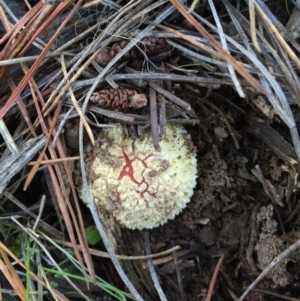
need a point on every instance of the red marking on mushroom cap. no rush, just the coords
(100, 143)
(128, 170)
(140, 187)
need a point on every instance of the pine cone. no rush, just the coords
(119, 99)
(148, 46)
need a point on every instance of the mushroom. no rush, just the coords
(139, 186)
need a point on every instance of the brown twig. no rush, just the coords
(154, 117)
(115, 115)
(279, 296)
(167, 258)
(207, 81)
(58, 160)
(214, 278)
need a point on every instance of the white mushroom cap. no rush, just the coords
(139, 186)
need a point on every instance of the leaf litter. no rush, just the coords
(227, 72)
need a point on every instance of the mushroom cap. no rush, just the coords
(140, 186)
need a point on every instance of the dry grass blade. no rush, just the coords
(76, 106)
(152, 270)
(193, 6)
(11, 275)
(22, 107)
(5, 22)
(60, 190)
(42, 153)
(225, 47)
(279, 37)
(77, 221)
(8, 138)
(10, 51)
(32, 235)
(269, 82)
(286, 33)
(62, 87)
(3, 249)
(222, 53)
(69, 224)
(36, 64)
(252, 25)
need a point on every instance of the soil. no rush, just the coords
(229, 213)
(232, 212)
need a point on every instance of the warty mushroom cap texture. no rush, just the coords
(139, 186)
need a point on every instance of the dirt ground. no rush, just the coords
(229, 213)
(245, 205)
